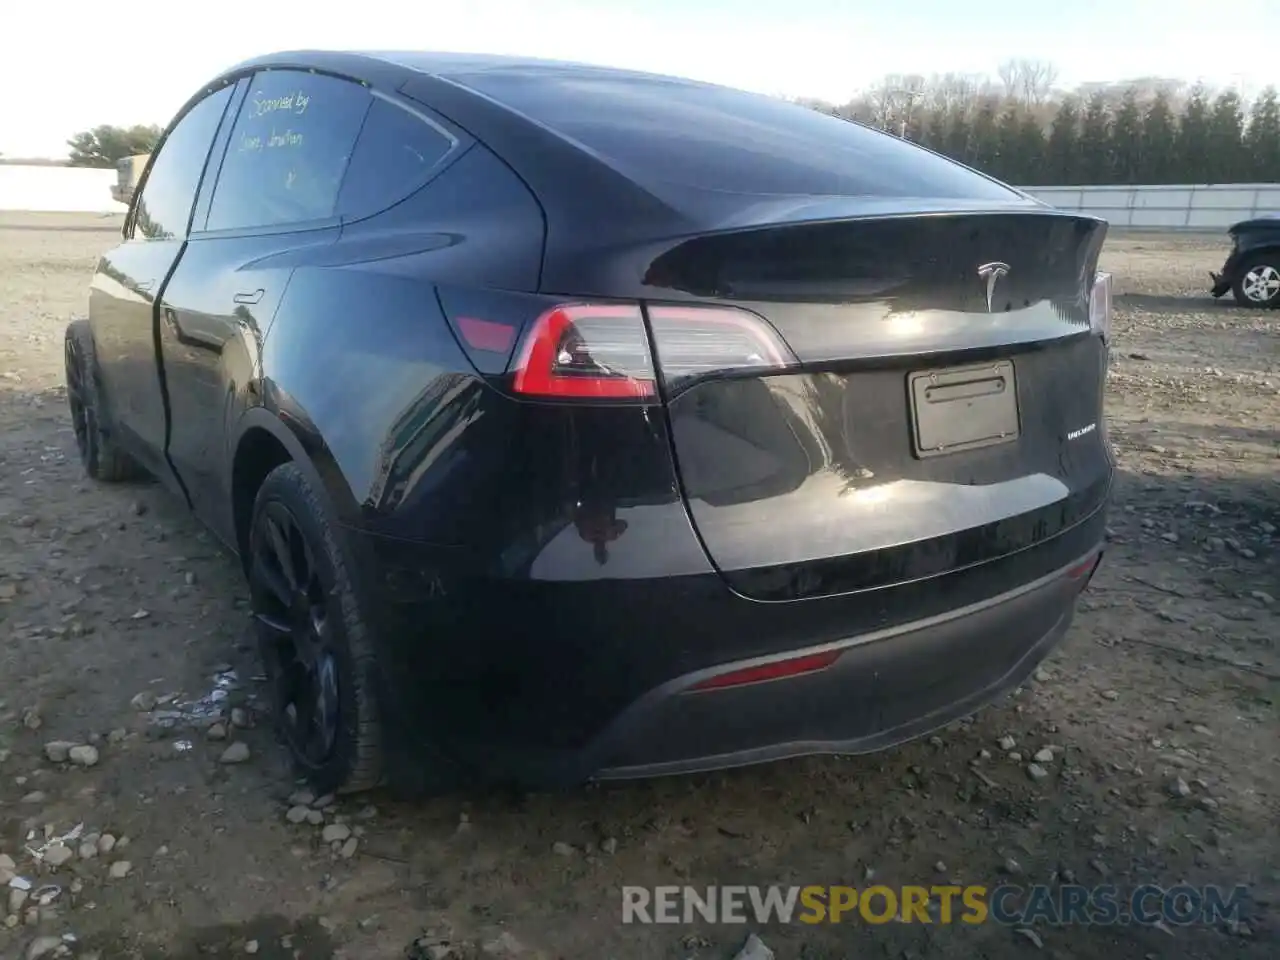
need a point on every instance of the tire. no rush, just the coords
(1258, 283)
(101, 456)
(319, 645)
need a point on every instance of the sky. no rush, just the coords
(68, 65)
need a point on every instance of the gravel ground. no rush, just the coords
(1161, 705)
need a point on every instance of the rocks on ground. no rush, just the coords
(237, 752)
(754, 949)
(119, 870)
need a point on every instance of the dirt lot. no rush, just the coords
(1167, 685)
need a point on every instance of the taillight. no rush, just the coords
(1100, 306)
(695, 342)
(585, 350)
(603, 350)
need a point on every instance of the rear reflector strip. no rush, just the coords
(777, 670)
(811, 663)
(1083, 568)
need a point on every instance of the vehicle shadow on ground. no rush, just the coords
(1265, 436)
(1133, 431)
(269, 937)
(1212, 529)
(1175, 304)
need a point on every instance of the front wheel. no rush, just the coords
(313, 637)
(1259, 282)
(101, 456)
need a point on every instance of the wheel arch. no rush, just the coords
(262, 442)
(1261, 246)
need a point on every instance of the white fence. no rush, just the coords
(1178, 207)
(60, 189)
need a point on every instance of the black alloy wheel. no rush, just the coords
(101, 457)
(76, 399)
(313, 642)
(293, 608)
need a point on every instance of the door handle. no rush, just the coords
(250, 299)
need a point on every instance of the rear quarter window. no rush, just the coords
(396, 154)
(715, 138)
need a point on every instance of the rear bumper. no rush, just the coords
(555, 683)
(1224, 278)
(884, 688)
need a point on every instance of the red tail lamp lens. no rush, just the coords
(586, 351)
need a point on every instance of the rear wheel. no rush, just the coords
(1259, 282)
(102, 458)
(313, 637)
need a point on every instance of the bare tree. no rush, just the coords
(892, 103)
(1038, 81)
(880, 102)
(955, 93)
(1028, 82)
(909, 92)
(1010, 75)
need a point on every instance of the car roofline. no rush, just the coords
(1263, 223)
(440, 64)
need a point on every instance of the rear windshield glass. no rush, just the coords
(715, 138)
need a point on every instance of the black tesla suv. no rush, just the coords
(576, 423)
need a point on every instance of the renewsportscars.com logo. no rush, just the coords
(1008, 904)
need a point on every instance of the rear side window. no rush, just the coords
(714, 138)
(396, 154)
(164, 207)
(288, 151)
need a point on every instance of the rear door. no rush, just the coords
(130, 277)
(282, 163)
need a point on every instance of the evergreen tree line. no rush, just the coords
(1092, 143)
(1135, 134)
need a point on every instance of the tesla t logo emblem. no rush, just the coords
(991, 272)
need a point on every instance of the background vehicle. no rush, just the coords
(1252, 269)
(562, 441)
(128, 172)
